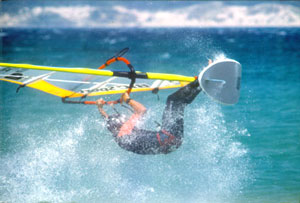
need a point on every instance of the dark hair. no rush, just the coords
(114, 123)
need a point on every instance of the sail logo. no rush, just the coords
(113, 88)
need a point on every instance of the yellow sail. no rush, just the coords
(83, 82)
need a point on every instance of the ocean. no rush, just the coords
(248, 152)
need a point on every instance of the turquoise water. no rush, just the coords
(249, 152)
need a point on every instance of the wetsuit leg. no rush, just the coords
(172, 120)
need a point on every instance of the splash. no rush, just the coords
(58, 169)
(219, 57)
(222, 161)
(82, 163)
(31, 175)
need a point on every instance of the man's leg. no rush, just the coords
(173, 115)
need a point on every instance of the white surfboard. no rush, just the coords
(221, 81)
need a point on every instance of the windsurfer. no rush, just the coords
(142, 141)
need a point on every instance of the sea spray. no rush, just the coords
(34, 173)
(222, 161)
(82, 162)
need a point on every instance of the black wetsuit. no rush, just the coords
(170, 136)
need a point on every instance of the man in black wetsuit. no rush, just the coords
(141, 141)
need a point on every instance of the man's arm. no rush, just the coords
(100, 103)
(139, 111)
(137, 107)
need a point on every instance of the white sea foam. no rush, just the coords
(81, 162)
(202, 14)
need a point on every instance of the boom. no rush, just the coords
(89, 71)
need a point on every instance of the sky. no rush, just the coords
(149, 14)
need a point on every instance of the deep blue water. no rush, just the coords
(249, 152)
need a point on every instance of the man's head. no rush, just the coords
(114, 123)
